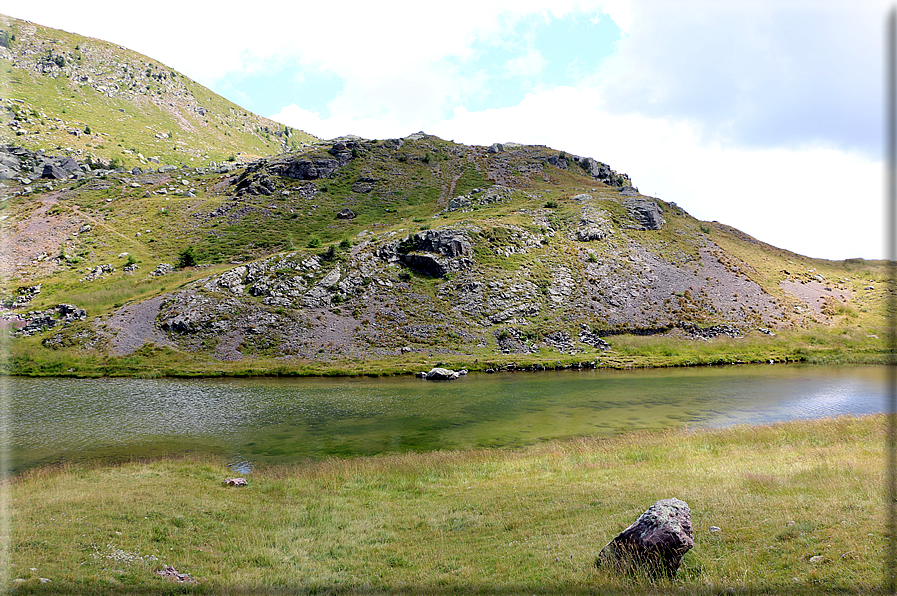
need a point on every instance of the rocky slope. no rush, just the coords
(407, 248)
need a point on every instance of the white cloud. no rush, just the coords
(760, 73)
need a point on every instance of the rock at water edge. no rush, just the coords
(442, 374)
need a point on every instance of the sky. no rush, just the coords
(765, 115)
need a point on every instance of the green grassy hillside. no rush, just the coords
(74, 95)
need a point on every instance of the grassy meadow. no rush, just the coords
(798, 506)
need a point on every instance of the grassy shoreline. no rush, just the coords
(503, 521)
(24, 358)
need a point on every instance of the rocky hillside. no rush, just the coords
(104, 104)
(151, 227)
(400, 252)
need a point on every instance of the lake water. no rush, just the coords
(251, 421)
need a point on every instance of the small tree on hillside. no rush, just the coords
(186, 258)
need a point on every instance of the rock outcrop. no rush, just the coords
(646, 213)
(18, 162)
(40, 320)
(432, 252)
(480, 197)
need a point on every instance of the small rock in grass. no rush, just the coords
(171, 573)
(235, 482)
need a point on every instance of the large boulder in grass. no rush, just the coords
(655, 544)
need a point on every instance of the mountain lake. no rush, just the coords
(275, 420)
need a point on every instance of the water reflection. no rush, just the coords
(256, 420)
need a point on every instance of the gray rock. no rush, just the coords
(593, 225)
(317, 296)
(346, 214)
(431, 265)
(98, 271)
(646, 213)
(162, 269)
(364, 184)
(559, 161)
(559, 340)
(70, 312)
(482, 197)
(589, 337)
(432, 252)
(442, 374)
(655, 544)
(10, 161)
(331, 279)
(304, 169)
(602, 172)
(53, 171)
(449, 243)
(69, 165)
(711, 332)
(231, 281)
(38, 321)
(254, 182)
